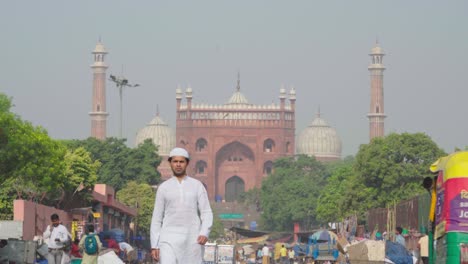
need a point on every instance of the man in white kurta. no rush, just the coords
(182, 216)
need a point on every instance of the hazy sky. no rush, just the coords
(320, 47)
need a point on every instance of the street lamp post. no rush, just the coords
(121, 82)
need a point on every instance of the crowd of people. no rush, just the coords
(61, 250)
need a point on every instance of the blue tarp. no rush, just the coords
(397, 253)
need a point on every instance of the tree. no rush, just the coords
(31, 163)
(140, 196)
(142, 162)
(121, 164)
(28, 156)
(340, 198)
(217, 230)
(392, 168)
(81, 173)
(290, 193)
(251, 197)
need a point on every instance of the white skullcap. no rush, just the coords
(179, 152)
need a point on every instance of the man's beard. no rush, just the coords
(180, 174)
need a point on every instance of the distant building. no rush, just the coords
(233, 145)
(106, 213)
(376, 113)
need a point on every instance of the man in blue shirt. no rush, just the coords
(399, 238)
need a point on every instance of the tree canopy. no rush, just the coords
(121, 164)
(392, 168)
(140, 196)
(29, 159)
(290, 193)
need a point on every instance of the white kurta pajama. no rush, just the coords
(181, 213)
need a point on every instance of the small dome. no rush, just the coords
(238, 99)
(377, 50)
(160, 133)
(319, 140)
(99, 48)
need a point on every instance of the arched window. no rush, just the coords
(201, 145)
(288, 145)
(201, 167)
(268, 145)
(268, 167)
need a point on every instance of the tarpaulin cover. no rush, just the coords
(397, 253)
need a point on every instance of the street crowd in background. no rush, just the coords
(61, 250)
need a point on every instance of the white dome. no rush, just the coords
(377, 50)
(319, 140)
(99, 48)
(160, 133)
(238, 99)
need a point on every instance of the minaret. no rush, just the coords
(98, 113)
(376, 114)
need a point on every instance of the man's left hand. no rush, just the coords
(202, 240)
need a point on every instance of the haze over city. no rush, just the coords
(319, 47)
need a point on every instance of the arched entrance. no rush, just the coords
(235, 170)
(235, 186)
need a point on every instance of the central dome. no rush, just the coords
(160, 133)
(319, 140)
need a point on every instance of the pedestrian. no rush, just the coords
(291, 256)
(423, 245)
(90, 245)
(57, 235)
(265, 254)
(129, 253)
(399, 237)
(182, 216)
(284, 255)
(111, 243)
(259, 254)
(75, 249)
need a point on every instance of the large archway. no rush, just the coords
(235, 186)
(235, 170)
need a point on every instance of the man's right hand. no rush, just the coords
(155, 253)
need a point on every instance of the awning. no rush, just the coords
(260, 239)
(247, 232)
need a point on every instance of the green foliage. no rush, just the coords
(251, 197)
(30, 161)
(392, 168)
(81, 173)
(290, 193)
(217, 230)
(121, 164)
(140, 196)
(340, 197)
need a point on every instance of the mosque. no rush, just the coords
(233, 145)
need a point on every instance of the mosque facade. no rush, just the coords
(233, 145)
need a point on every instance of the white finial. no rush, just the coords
(238, 81)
